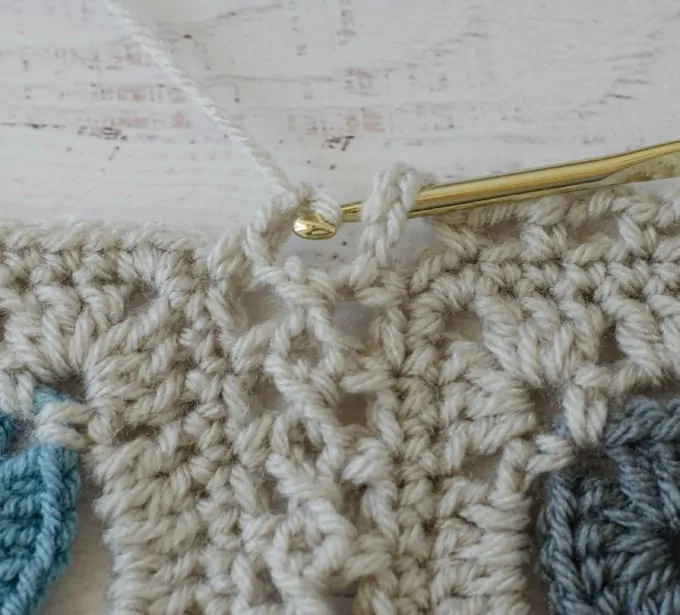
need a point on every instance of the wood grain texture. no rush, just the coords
(91, 128)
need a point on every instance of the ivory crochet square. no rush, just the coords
(229, 482)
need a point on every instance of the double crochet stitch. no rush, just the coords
(257, 460)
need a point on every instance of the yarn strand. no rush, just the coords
(151, 44)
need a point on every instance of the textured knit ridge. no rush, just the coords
(256, 462)
(38, 491)
(610, 534)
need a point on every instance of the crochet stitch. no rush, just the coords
(38, 492)
(231, 478)
(611, 542)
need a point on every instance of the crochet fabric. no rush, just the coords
(611, 543)
(38, 492)
(256, 463)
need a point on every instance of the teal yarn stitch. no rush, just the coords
(611, 539)
(38, 492)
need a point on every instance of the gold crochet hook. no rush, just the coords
(648, 164)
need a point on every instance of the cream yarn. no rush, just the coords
(229, 481)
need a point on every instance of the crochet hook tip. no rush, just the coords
(647, 164)
(313, 226)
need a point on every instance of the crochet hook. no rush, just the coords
(647, 164)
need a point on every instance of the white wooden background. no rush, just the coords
(91, 128)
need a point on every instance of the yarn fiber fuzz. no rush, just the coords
(260, 461)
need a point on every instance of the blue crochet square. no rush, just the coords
(38, 493)
(611, 543)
